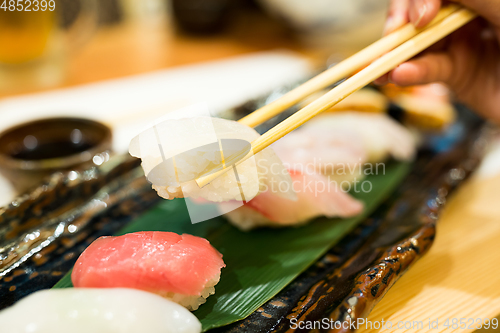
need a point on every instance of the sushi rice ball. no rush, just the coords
(98, 311)
(180, 268)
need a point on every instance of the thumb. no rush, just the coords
(422, 12)
(432, 67)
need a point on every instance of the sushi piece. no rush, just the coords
(177, 151)
(181, 268)
(322, 165)
(97, 311)
(427, 106)
(330, 152)
(317, 196)
(364, 100)
(381, 136)
(339, 155)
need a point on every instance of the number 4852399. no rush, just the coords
(28, 5)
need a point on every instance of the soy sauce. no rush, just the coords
(51, 150)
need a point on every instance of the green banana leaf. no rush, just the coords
(259, 263)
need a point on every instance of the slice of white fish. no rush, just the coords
(329, 152)
(338, 154)
(317, 196)
(381, 136)
(80, 310)
(177, 151)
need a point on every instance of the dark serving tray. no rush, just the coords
(43, 232)
(353, 276)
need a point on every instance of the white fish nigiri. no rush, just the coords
(381, 136)
(177, 151)
(98, 311)
(338, 154)
(337, 146)
(316, 196)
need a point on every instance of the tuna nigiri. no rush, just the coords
(97, 311)
(181, 268)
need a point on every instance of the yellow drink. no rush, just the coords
(24, 35)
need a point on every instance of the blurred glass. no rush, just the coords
(339, 26)
(202, 16)
(34, 44)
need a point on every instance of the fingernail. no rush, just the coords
(389, 24)
(418, 11)
(421, 13)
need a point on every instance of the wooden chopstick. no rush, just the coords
(379, 67)
(341, 70)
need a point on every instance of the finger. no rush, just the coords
(384, 79)
(397, 16)
(432, 67)
(438, 47)
(422, 12)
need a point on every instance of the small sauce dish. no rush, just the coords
(31, 151)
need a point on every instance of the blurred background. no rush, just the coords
(124, 63)
(81, 41)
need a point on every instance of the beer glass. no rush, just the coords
(36, 37)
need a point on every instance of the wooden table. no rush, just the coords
(459, 278)
(140, 46)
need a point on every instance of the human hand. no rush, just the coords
(468, 61)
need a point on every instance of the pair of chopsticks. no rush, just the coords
(381, 57)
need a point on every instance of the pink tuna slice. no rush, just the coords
(154, 261)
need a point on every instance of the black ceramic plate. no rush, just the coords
(43, 232)
(354, 275)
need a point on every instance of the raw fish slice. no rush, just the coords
(182, 268)
(193, 138)
(97, 311)
(316, 197)
(339, 154)
(381, 135)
